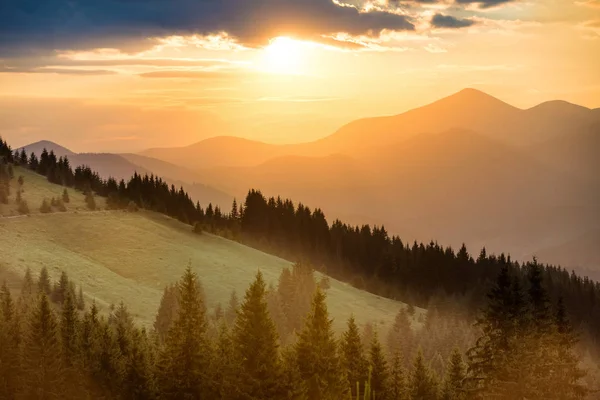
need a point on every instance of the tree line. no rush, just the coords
(53, 350)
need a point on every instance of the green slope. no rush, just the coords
(117, 255)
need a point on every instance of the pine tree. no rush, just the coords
(59, 292)
(422, 385)
(45, 207)
(10, 344)
(277, 315)
(43, 376)
(225, 366)
(167, 312)
(398, 383)
(27, 286)
(68, 330)
(109, 364)
(185, 358)
(379, 370)
(44, 285)
(494, 361)
(255, 341)
(123, 327)
(294, 388)
(400, 336)
(232, 309)
(139, 382)
(80, 300)
(566, 374)
(353, 359)
(316, 354)
(455, 378)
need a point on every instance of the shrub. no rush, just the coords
(65, 196)
(132, 207)
(90, 201)
(53, 202)
(197, 228)
(23, 207)
(45, 207)
(21, 180)
(60, 205)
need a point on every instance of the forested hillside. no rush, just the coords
(523, 341)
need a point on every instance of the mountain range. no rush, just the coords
(467, 168)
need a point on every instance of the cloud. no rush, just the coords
(485, 3)
(32, 26)
(448, 21)
(195, 74)
(58, 71)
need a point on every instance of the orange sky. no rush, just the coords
(174, 90)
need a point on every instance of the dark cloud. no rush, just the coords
(58, 71)
(448, 21)
(32, 26)
(485, 3)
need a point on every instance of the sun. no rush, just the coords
(284, 56)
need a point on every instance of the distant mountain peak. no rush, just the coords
(38, 147)
(470, 97)
(559, 105)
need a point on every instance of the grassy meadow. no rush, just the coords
(117, 255)
(36, 188)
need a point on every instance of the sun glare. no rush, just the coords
(284, 56)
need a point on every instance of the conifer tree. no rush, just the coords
(422, 385)
(60, 291)
(256, 345)
(44, 285)
(276, 312)
(27, 286)
(45, 207)
(43, 376)
(566, 376)
(10, 344)
(123, 327)
(400, 336)
(88, 339)
(455, 378)
(353, 359)
(398, 382)
(493, 359)
(109, 367)
(225, 366)
(232, 309)
(139, 382)
(167, 312)
(68, 330)
(317, 356)
(185, 358)
(368, 332)
(80, 300)
(294, 388)
(379, 370)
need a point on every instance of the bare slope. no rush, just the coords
(118, 256)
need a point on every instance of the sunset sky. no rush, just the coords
(124, 75)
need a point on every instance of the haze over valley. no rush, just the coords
(468, 168)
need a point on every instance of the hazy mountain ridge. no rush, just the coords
(123, 166)
(467, 168)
